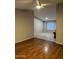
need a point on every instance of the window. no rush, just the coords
(51, 25)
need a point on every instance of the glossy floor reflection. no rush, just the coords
(38, 49)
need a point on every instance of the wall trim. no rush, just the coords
(59, 43)
(23, 40)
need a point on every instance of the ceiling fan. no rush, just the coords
(39, 5)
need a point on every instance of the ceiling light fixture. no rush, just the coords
(46, 18)
(39, 4)
(38, 7)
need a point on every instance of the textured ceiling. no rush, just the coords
(48, 11)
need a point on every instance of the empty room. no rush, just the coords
(38, 29)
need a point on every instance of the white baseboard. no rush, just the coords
(59, 43)
(24, 39)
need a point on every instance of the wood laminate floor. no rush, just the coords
(38, 49)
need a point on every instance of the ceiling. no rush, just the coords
(48, 11)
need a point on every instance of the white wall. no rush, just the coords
(59, 23)
(24, 28)
(38, 31)
(38, 26)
